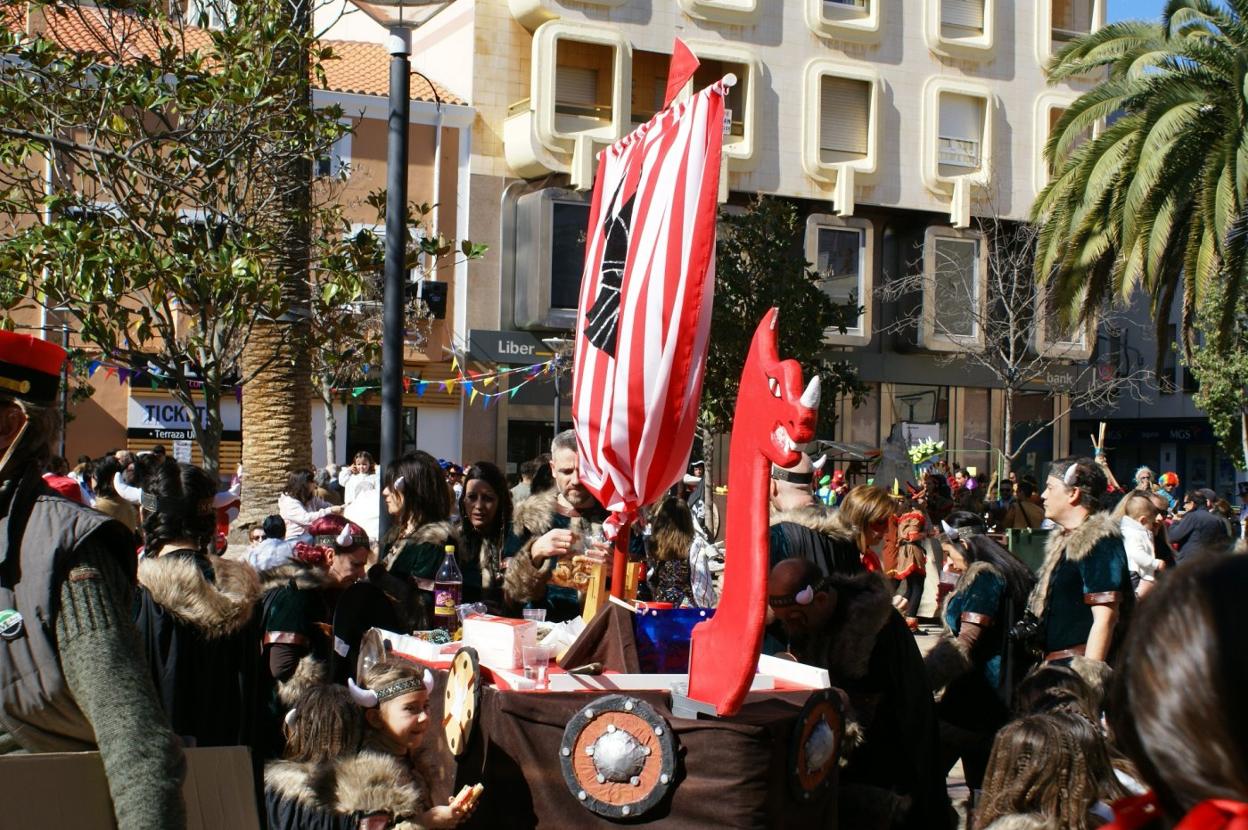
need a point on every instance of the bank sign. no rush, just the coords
(163, 418)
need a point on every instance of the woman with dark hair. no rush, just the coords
(544, 477)
(196, 613)
(973, 662)
(107, 501)
(299, 506)
(419, 504)
(484, 526)
(1177, 703)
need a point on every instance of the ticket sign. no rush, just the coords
(164, 418)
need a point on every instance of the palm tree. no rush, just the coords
(1155, 199)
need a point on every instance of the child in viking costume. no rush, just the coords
(326, 781)
(196, 613)
(395, 699)
(973, 662)
(298, 611)
(909, 562)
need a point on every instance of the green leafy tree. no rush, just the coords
(1223, 373)
(1149, 201)
(165, 233)
(760, 263)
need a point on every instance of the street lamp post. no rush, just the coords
(399, 17)
(558, 347)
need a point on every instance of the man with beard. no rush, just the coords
(72, 677)
(550, 527)
(845, 623)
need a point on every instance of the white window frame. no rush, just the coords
(859, 335)
(864, 28)
(740, 154)
(736, 12)
(543, 74)
(930, 337)
(812, 110)
(979, 47)
(936, 88)
(1044, 26)
(339, 154)
(1046, 102)
(1080, 349)
(533, 13)
(197, 8)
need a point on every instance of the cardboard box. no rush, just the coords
(68, 789)
(498, 640)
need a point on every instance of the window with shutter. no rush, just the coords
(961, 132)
(844, 119)
(962, 17)
(1071, 18)
(576, 87)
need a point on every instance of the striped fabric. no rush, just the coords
(645, 304)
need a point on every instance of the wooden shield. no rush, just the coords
(816, 744)
(462, 700)
(618, 757)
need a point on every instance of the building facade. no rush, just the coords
(891, 125)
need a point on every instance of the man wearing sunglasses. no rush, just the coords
(845, 623)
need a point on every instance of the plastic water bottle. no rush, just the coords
(448, 589)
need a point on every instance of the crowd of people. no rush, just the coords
(128, 624)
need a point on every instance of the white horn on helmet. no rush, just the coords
(366, 698)
(810, 398)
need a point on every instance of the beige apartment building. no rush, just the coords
(891, 123)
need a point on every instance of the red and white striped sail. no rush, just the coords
(645, 304)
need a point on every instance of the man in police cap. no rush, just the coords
(72, 677)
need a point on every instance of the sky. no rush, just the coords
(1134, 9)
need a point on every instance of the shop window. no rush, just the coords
(839, 250)
(960, 136)
(953, 290)
(844, 119)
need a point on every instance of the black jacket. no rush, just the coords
(1199, 530)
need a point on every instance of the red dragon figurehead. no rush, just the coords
(773, 417)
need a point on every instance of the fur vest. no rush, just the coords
(523, 581)
(1023, 821)
(354, 785)
(295, 574)
(819, 518)
(1074, 545)
(215, 608)
(864, 606)
(431, 533)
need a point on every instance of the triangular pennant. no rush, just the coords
(109, 371)
(512, 392)
(681, 68)
(92, 366)
(486, 381)
(454, 364)
(420, 388)
(473, 396)
(407, 384)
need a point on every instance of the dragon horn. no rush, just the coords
(365, 698)
(819, 462)
(774, 314)
(810, 398)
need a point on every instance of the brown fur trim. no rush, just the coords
(1075, 544)
(864, 604)
(304, 576)
(819, 518)
(217, 608)
(523, 581)
(1095, 673)
(310, 672)
(948, 660)
(366, 782)
(1023, 821)
(536, 514)
(431, 533)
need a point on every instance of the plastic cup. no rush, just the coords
(535, 614)
(536, 661)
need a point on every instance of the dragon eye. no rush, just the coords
(774, 385)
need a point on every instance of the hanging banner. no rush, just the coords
(645, 304)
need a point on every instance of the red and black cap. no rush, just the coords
(30, 368)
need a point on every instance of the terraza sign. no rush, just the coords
(162, 418)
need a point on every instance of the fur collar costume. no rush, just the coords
(863, 607)
(217, 607)
(820, 519)
(523, 581)
(298, 575)
(361, 784)
(431, 533)
(1073, 545)
(1022, 821)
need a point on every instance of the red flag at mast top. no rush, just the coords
(679, 71)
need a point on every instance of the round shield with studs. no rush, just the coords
(462, 699)
(816, 743)
(618, 757)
